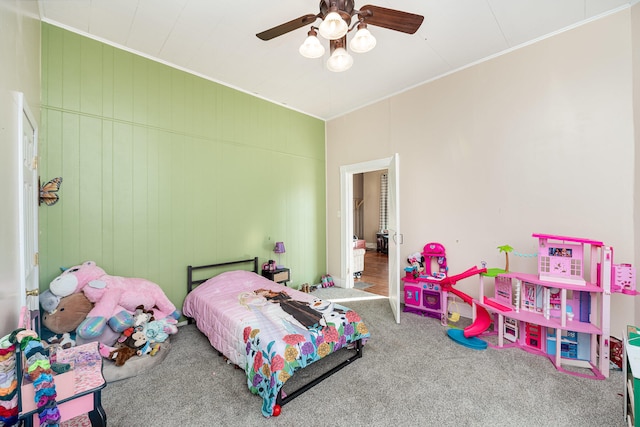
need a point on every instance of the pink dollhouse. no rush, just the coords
(562, 312)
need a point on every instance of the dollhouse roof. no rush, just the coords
(568, 239)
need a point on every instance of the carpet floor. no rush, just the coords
(410, 374)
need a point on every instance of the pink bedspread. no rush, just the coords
(268, 329)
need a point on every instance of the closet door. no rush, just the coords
(19, 214)
(28, 202)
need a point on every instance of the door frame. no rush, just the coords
(346, 212)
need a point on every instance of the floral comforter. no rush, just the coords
(269, 330)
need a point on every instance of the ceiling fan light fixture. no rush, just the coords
(333, 26)
(311, 47)
(340, 60)
(363, 41)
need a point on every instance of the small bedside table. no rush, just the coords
(281, 275)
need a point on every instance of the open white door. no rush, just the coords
(395, 238)
(28, 204)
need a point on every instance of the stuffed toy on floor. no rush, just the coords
(114, 299)
(144, 337)
(61, 315)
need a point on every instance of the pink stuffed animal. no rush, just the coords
(115, 298)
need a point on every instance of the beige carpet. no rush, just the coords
(337, 294)
(411, 374)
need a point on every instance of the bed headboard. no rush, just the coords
(191, 283)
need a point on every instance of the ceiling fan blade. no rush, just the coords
(392, 19)
(286, 27)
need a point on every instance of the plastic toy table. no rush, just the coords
(79, 391)
(425, 296)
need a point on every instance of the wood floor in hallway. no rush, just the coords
(376, 272)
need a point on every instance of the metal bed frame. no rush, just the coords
(280, 399)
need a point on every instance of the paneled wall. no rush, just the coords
(162, 169)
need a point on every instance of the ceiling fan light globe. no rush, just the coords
(311, 48)
(362, 42)
(333, 26)
(340, 60)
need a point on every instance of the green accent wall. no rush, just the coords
(162, 169)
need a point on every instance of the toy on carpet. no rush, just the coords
(66, 314)
(142, 338)
(114, 298)
(327, 281)
(426, 294)
(121, 354)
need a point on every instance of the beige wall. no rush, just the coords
(635, 53)
(19, 72)
(537, 140)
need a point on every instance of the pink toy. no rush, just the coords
(423, 293)
(563, 311)
(115, 298)
(624, 279)
(436, 252)
(482, 320)
(426, 294)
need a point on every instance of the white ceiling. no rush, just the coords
(216, 40)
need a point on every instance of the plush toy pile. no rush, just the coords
(144, 337)
(128, 316)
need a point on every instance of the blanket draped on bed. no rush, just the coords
(269, 330)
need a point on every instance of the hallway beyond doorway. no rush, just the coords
(376, 273)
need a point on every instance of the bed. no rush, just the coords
(269, 330)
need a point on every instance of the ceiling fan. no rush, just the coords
(336, 16)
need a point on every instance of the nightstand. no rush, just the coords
(281, 275)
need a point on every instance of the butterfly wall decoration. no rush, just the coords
(49, 191)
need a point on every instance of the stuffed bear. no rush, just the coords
(121, 354)
(133, 342)
(115, 298)
(67, 315)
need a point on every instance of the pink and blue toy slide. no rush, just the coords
(468, 336)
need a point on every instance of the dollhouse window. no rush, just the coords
(576, 267)
(561, 261)
(545, 264)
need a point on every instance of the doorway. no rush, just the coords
(393, 234)
(371, 261)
